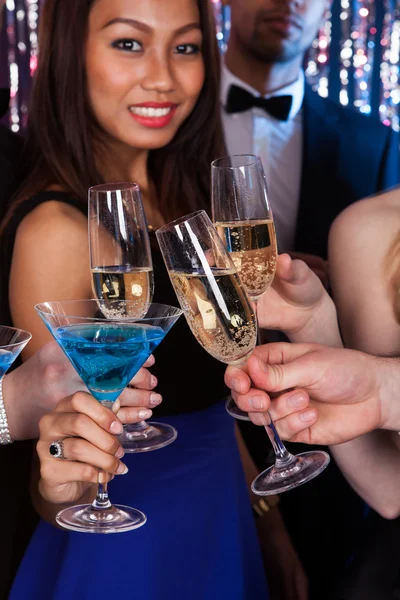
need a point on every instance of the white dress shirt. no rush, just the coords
(278, 143)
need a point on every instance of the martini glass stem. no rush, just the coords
(102, 501)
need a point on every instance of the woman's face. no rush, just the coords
(144, 68)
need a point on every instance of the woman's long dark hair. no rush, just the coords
(61, 131)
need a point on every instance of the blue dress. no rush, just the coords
(199, 542)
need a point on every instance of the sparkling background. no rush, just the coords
(354, 60)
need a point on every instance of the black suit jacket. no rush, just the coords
(347, 156)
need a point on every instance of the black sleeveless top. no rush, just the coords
(189, 380)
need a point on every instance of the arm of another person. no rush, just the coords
(360, 242)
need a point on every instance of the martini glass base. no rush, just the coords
(86, 519)
(301, 469)
(234, 411)
(147, 437)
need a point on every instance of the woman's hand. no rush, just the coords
(37, 386)
(88, 432)
(298, 305)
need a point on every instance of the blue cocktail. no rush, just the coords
(109, 356)
(106, 353)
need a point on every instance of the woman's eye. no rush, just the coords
(187, 49)
(128, 45)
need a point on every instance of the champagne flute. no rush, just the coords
(220, 314)
(122, 279)
(243, 218)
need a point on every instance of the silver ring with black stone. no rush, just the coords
(56, 449)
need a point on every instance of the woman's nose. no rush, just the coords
(158, 75)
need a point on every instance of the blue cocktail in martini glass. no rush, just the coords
(12, 342)
(106, 353)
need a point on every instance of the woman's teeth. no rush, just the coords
(143, 111)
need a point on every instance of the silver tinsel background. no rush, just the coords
(354, 60)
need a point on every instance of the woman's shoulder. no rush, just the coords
(51, 209)
(362, 222)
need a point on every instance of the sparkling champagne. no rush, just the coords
(252, 246)
(218, 312)
(134, 286)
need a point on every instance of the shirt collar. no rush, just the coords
(295, 89)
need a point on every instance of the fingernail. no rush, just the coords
(120, 452)
(308, 416)
(151, 360)
(262, 365)
(297, 400)
(257, 402)
(155, 399)
(235, 384)
(116, 427)
(153, 381)
(122, 469)
(144, 413)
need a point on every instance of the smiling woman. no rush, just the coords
(128, 91)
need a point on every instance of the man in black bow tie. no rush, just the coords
(318, 157)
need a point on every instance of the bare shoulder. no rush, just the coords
(362, 223)
(52, 217)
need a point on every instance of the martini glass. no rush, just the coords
(106, 353)
(12, 342)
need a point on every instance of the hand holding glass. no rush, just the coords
(220, 315)
(106, 353)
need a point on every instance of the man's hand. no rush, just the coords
(298, 305)
(344, 387)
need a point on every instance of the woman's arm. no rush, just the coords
(50, 262)
(359, 244)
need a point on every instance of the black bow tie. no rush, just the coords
(240, 100)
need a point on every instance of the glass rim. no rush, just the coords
(115, 187)
(254, 160)
(15, 330)
(180, 220)
(178, 312)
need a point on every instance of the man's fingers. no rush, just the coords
(237, 379)
(86, 405)
(296, 427)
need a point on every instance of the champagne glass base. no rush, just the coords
(153, 437)
(234, 411)
(301, 469)
(86, 519)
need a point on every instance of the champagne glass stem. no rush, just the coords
(282, 456)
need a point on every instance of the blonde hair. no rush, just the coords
(392, 274)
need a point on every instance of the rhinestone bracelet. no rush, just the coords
(5, 437)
